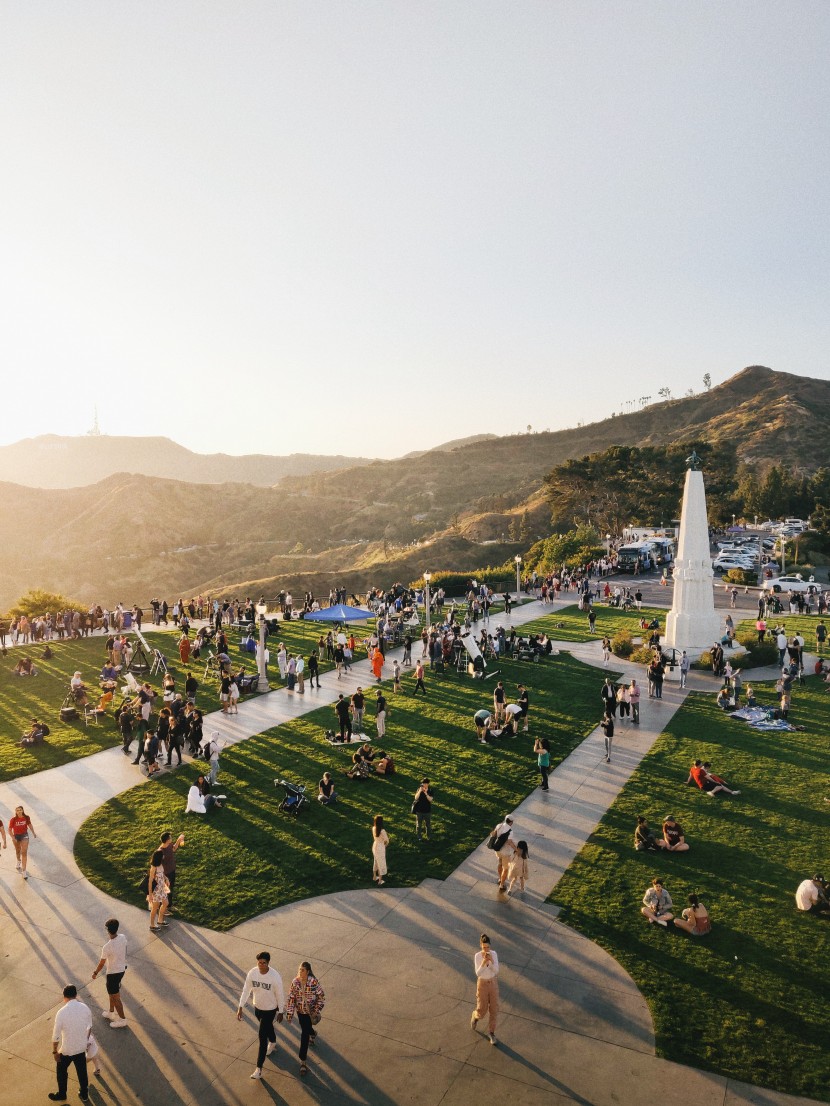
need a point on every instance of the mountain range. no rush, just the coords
(132, 532)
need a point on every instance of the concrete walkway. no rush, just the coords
(396, 963)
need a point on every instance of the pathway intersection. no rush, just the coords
(396, 963)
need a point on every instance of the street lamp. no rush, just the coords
(518, 561)
(261, 610)
(427, 578)
(608, 546)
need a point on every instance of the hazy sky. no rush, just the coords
(372, 227)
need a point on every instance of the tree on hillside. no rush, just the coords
(38, 602)
(627, 485)
(707, 381)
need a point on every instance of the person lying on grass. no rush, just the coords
(706, 781)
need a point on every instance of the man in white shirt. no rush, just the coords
(114, 956)
(269, 1000)
(811, 896)
(487, 987)
(73, 1025)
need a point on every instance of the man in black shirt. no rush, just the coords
(343, 717)
(422, 808)
(380, 713)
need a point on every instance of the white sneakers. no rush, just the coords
(256, 1073)
(492, 1039)
(110, 1015)
(271, 1046)
(25, 874)
(118, 1023)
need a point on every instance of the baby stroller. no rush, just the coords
(295, 797)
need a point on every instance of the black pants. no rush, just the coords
(79, 1060)
(171, 879)
(345, 728)
(419, 684)
(544, 769)
(306, 1034)
(266, 1033)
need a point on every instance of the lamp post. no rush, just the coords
(427, 578)
(608, 546)
(261, 609)
(518, 561)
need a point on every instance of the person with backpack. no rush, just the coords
(503, 844)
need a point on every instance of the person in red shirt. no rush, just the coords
(19, 827)
(704, 779)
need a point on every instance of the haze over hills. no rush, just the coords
(126, 537)
(54, 461)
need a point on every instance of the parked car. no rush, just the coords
(792, 582)
(725, 563)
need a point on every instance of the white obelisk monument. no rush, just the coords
(692, 623)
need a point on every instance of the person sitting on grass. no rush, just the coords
(360, 768)
(325, 790)
(385, 765)
(695, 918)
(706, 781)
(657, 904)
(811, 896)
(751, 701)
(644, 839)
(724, 698)
(673, 840)
(24, 667)
(35, 735)
(199, 798)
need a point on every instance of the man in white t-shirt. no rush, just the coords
(73, 1025)
(265, 984)
(811, 895)
(114, 957)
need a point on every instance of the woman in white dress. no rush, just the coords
(380, 839)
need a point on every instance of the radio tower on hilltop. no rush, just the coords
(95, 432)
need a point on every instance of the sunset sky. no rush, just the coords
(372, 227)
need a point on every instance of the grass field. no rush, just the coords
(803, 624)
(41, 696)
(749, 1000)
(571, 624)
(249, 858)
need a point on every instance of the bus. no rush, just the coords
(635, 558)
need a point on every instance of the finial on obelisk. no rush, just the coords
(693, 461)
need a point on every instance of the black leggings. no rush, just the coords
(306, 1034)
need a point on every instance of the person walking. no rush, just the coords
(419, 678)
(168, 847)
(541, 748)
(505, 846)
(607, 727)
(213, 756)
(306, 998)
(114, 958)
(606, 651)
(634, 700)
(486, 962)
(314, 669)
(265, 984)
(422, 809)
(20, 826)
(73, 1026)
(157, 891)
(380, 839)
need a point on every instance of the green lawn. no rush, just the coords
(571, 624)
(750, 1000)
(250, 858)
(803, 624)
(42, 696)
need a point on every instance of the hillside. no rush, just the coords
(52, 461)
(131, 535)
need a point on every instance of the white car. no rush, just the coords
(725, 562)
(794, 582)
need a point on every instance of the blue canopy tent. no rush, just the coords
(339, 613)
